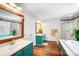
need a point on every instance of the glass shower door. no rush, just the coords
(68, 28)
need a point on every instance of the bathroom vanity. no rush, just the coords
(20, 47)
(12, 42)
(40, 39)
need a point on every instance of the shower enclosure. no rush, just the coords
(67, 28)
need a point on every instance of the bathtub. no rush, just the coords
(71, 47)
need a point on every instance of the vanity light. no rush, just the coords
(19, 8)
(70, 15)
(38, 21)
(15, 6)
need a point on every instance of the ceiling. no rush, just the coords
(48, 11)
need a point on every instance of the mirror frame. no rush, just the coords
(3, 7)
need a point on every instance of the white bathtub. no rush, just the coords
(71, 47)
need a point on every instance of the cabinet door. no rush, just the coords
(19, 53)
(28, 50)
(39, 39)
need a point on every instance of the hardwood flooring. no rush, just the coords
(49, 48)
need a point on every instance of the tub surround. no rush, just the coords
(71, 47)
(10, 48)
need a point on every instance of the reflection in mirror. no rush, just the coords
(9, 29)
(10, 16)
(11, 24)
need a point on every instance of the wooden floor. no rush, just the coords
(50, 49)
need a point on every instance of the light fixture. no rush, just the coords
(38, 21)
(15, 6)
(70, 15)
(19, 8)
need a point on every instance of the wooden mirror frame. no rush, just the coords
(22, 23)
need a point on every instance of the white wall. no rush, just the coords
(49, 26)
(29, 29)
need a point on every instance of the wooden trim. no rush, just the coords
(62, 35)
(10, 10)
(9, 39)
(22, 27)
(35, 27)
(70, 19)
(22, 24)
(62, 32)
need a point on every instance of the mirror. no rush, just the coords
(9, 29)
(11, 25)
(40, 27)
